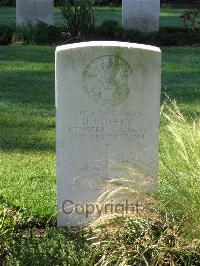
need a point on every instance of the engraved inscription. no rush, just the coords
(106, 80)
(100, 124)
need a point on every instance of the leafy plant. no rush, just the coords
(50, 246)
(8, 220)
(110, 30)
(191, 19)
(41, 34)
(79, 16)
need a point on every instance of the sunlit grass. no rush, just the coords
(179, 171)
(178, 180)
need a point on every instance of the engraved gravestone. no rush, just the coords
(108, 103)
(31, 11)
(141, 15)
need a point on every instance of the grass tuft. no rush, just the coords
(138, 241)
(179, 174)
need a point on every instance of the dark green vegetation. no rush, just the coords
(81, 24)
(118, 241)
(79, 16)
(104, 24)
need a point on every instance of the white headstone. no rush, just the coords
(108, 108)
(31, 11)
(141, 15)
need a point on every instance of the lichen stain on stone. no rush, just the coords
(107, 79)
(125, 70)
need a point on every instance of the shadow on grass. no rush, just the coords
(28, 86)
(184, 88)
(27, 108)
(27, 137)
(30, 53)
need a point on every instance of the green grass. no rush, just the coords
(180, 78)
(27, 119)
(111, 241)
(27, 168)
(27, 128)
(169, 16)
(179, 169)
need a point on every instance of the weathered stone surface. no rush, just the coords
(108, 105)
(31, 11)
(142, 15)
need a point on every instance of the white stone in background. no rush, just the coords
(31, 11)
(141, 15)
(108, 108)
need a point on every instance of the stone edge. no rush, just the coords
(108, 44)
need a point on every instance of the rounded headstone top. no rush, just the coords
(108, 44)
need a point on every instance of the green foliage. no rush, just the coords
(138, 241)
(43, 34)
(108, 2)
(40, 34)
(7, 2)
(9, 220)
(6, 34)
(49, 246)
(79, 16)
(118, 241)
(20, 244)
(169, 17)
(167, 36)
(179, 171)
(6, 229)
(171, 31)
(175, 37)
(191, 20)
(109, 29)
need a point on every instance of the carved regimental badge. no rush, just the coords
(107, 80)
